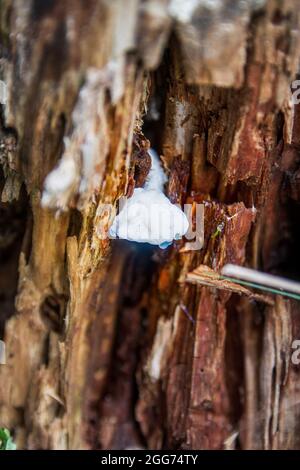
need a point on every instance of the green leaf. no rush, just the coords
(6, 442)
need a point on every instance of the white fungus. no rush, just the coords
(3, 92)
(61, 180)
(149, 216)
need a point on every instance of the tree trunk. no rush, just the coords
(108, 343)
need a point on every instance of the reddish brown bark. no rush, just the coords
(109, 343)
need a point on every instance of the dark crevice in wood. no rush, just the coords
(207, 381)
(75, 223)
(233, 358)
(154, 119)
(121, 392)
(53, 312)
(13, 218)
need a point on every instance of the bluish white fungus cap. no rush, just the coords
(149, 216)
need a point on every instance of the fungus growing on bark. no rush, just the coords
(149, 216)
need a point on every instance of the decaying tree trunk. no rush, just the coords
(108, 343)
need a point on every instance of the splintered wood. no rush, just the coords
(101, 352)
(208, 277)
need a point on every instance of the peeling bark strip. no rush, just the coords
(107, 344)
(207, 277)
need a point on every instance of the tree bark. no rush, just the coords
(109, 345)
